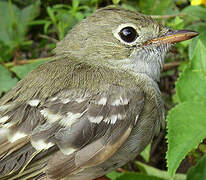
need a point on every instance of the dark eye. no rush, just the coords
(128, 34)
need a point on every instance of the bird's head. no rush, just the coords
(123, 39)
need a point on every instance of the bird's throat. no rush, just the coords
(148, 60)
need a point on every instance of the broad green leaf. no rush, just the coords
(199, 54)
(137, 176)
(197, 47)
(6, 81)
(191, 84)
(5, 52)
(146, 153)
(14, 22)
(199, 27)
(14, 25)
(8, 17)
(185, 130)
(157, 7)
(194, 13)
(28, 14)
(149, 170)
(114, 175)
(198, 172)
(192, 47)
(22, 70)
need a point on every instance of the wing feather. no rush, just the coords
(87, 126)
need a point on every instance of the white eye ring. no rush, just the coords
(117, 31)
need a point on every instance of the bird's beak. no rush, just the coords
(173, 37)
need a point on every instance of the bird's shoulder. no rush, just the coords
(62, 73)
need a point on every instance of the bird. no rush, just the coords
(93, 108)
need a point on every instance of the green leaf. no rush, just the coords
(46, 26)
(147, 173)
(79, 16)
(114, 175)
(6, 81)
(149, 170)
(115, 2)
(5, 52)
(75, 4)
(51, 15)
(146, 153)
(38, 22)
(194, 13)
(191, 84)
(198, 172)
(28, 14)
(177, 23)
(157, 7)
(22, 70)
(7, 15)
(14, 25)
(185, 130)
(192, 47)
(198, 47)
(137, 176)
(199, 27)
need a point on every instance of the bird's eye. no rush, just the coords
(128, 34)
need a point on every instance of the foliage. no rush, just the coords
(186, 129)
(158, 7)
(6, 81)
(146, 172)
(22, 70)
(186, 122)
(199, 171)
(62, 17)
(24, 26)
(14, 26)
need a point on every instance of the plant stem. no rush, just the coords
(49, 38)
(170, 65)
(11, 64)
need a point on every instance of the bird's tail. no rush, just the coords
(19, 160)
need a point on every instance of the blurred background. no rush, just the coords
(30, 29)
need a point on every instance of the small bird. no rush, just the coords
(94, 107)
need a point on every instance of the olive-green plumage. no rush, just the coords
(52, 77)
(93, 108)
(85, 55)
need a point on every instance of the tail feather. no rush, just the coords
(19, 160)
(8, 148)
(11, 157)
(60, 165)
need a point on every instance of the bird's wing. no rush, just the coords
(87, 126)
